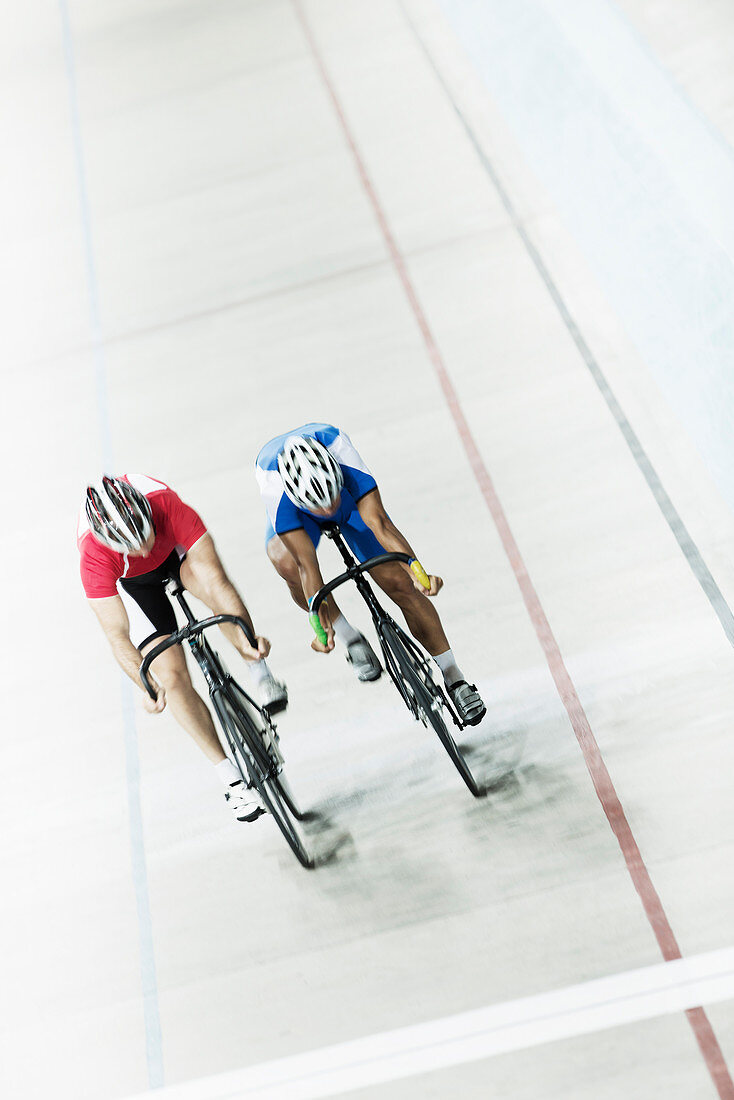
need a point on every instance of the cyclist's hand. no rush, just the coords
(256, 653)
(436, 586)
(155, 706)
(324, 647)
(320, 647)
(425, 584)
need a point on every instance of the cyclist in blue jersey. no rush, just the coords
(314, 475)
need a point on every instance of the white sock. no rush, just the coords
(449, 669)
(259, 671)
(344, 632)
(227, 772)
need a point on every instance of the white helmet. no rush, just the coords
(312, 478)
(119, 515)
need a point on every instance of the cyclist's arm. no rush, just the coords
(304, 552)
(112, 617)
(372, 511)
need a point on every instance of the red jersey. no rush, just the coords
(175, 524)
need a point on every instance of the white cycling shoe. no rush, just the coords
(273, 695)
(363, 660)
(244, 801)
(468, 702)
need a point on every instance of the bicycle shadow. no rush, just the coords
(395, 777)
(494, 759)
(394, 771)
(327, 839)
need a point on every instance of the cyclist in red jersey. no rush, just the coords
(134, 533)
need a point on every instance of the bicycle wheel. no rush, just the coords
(270, 739)
(415, 684)
(256, 767)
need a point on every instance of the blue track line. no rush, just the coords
(151, 1013)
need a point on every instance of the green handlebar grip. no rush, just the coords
(318, 628)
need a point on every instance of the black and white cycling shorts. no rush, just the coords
(148, 607)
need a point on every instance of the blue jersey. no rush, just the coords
(283, 514)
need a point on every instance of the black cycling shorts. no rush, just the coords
(149, 593)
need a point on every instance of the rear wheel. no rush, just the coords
(256, 767)
(416, 685)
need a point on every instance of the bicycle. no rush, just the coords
(406, 664)
(249, 732)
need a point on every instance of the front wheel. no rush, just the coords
(415, 684)
(271, 743)
(281, 808)
(256, 767)
(286, 794)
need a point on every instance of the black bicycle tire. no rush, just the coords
(270, 792)
(282, 782)
(286, 794)
(391, 636)
(266, 784)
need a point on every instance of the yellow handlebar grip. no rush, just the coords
(420, 573)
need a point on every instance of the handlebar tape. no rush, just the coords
(318, 628)
(420, 573)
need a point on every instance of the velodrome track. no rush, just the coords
(493, 242)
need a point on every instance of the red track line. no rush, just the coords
(600, 777)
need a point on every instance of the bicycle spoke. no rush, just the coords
(262, 772)
(266, 728)
(414, 678)
(276, 804)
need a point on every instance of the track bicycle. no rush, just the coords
(249, 732)
(406, 663)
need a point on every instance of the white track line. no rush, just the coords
(469, 1036)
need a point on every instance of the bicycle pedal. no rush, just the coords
(276, 707)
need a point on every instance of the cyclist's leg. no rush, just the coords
(203, 574)
(152, 619)
(359, 652)
(186, 705)
(425, 625)
(285, 564)
(420, 614)
(193, 715)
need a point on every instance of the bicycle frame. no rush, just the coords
(252, 742)
(355, 571)
(218, 679)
